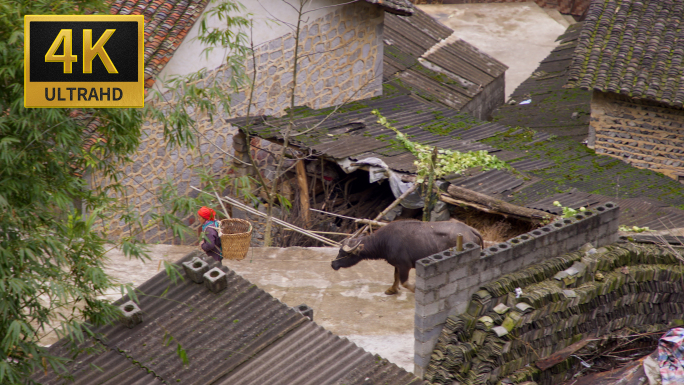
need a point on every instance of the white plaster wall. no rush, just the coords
(189, 58)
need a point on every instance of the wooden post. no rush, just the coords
(303, 191)
(459, 242)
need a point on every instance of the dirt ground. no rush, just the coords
(350, 302)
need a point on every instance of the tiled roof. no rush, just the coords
(503, 337)
(453, 73)
(231, 337)
(635, 48)
(397, 7)
(543, 103)
(167, 22)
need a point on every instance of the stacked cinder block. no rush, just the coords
(610, 292)
(446, 281)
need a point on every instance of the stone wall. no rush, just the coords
(641, 133)
(340, 61)
(492, 96)
(446, 281)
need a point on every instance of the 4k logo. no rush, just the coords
(83, 61)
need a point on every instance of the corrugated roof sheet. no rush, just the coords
(221, 332)
(312, 355)
(635, 48)
(423, 122)
(490, 182)
(552, 108)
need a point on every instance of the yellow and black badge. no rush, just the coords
(84, 61)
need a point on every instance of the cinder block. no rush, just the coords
(426, 267)
(195, 269)
(215, 280)
(522, 244)
(420, 363)
(444, 261)
(548, 235)
(459, 273)
(434, 282)
(429, 322)
(490, 274)
(305, 310)
(592, 218)
(427, 337)
(613, 226)
(447, 290)
(461, 298)
(429, 309)
(501, 252)
(131, 314)
(424, 297)
(469, 281)
(512, 266)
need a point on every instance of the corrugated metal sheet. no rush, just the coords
(114, 369)
(219, 331)
(531, 164)
(353, 133)
(312, 355)
(490, 182)
(457, 72)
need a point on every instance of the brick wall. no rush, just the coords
(341, 58)
(641, 133)
(446, 281)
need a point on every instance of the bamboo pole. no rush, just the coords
(459, 242)
(390, 207)
(357, 220)
(280, 222)
(303, 191)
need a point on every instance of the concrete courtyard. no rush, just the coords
(519, 35)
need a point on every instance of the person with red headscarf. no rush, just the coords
(211, 242)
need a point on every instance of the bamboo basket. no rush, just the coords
(236, 235)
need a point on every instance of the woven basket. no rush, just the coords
(236, 235)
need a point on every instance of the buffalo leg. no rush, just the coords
(403, 276)
(394, 289)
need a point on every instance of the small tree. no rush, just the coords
(51, 254)
(432, 164)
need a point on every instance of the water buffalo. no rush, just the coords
(402, 243)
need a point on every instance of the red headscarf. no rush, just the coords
(207, 213)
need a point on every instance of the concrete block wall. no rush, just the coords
(446, 281)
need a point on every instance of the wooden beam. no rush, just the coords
(303, 191)
(463, 196)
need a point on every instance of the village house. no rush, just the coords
(630, 57)
(341, 59)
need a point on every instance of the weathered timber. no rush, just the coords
(463, 196)
(563, 354)
(303, 191)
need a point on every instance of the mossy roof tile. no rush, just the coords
(634, 48)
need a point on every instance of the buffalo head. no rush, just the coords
(349, 254)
